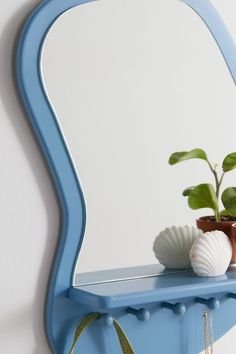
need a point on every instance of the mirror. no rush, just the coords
(131, 82)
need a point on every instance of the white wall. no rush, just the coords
(29, 223)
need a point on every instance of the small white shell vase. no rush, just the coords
(172, 246)
(211, 254)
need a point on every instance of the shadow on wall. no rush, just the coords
(18, 120)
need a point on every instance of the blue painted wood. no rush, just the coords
(64, 312)
(107, 320)
(178, 308)
(213, 303)
(150, 290)
(140, 314)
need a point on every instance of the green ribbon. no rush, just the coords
(88, 320)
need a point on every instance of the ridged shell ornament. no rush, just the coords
(172, 246)
(211, 254)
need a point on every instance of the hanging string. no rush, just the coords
(208, 331)
(88, 320)
(211, 331)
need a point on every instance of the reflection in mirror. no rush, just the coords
(131, 82)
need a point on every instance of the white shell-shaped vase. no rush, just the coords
(172, 246)
(211, 254)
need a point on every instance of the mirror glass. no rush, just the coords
(131, 82)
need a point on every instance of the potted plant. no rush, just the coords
(207, 196)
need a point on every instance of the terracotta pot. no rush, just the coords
(228, 227)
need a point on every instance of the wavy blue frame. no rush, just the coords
(61, 312)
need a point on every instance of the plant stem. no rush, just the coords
(221, 179)
(218, 184)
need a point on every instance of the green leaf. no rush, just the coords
(229, 200)
(225, 213)
(229, 162)
(187, 155)
(187, 191)
(203, 196)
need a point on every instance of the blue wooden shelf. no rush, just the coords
(143, 285)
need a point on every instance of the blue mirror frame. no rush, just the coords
(61, 313)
